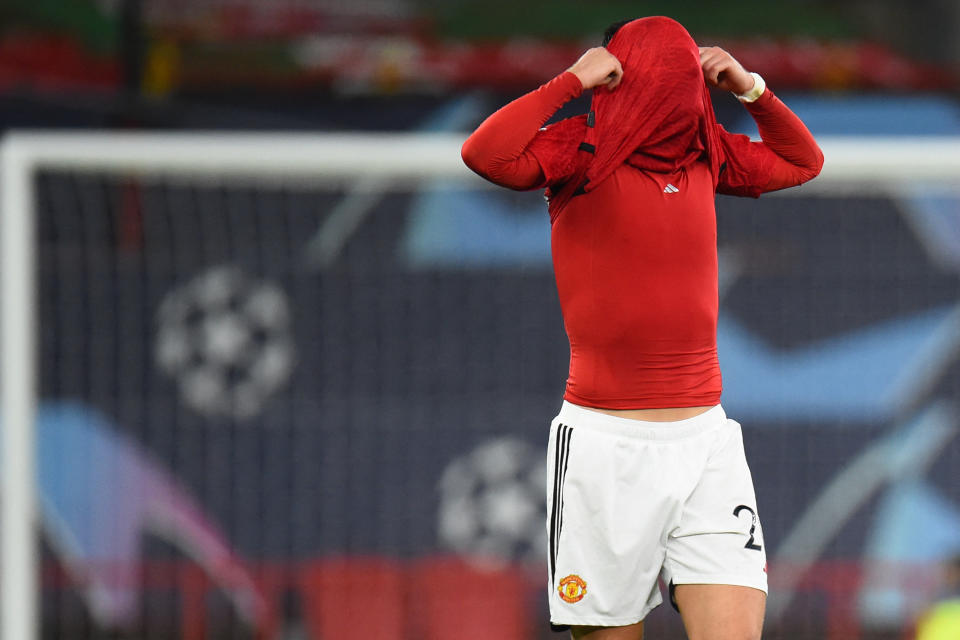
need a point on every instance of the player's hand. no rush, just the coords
(597, 67)
(721, 70)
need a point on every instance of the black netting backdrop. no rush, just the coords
(239, 440)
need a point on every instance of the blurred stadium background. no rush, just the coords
(310, 409)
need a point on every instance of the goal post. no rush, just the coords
(883, 164)
(402, 156)
(18, 552)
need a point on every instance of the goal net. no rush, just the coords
(298, 387)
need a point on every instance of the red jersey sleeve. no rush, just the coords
(499, 149)
(786, 156)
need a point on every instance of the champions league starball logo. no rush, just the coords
(226, 340)
(493, 503)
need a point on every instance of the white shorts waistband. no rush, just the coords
(580, 417)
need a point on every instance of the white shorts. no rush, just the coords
(629, 502)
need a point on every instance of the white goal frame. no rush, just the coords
(885, 163)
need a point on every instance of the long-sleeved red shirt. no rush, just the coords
(635, 259)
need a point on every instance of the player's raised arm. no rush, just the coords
(788, 150)
(497, 150)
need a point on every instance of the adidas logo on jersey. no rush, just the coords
(670, 189)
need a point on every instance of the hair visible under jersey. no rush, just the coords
(612, 31)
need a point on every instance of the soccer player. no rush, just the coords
(647, 476)
(942, 621)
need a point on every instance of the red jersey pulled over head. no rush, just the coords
(659, 118)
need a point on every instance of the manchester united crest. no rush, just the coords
(572, 588)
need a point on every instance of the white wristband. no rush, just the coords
(759, 86)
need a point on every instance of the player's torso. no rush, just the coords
(636, 268)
